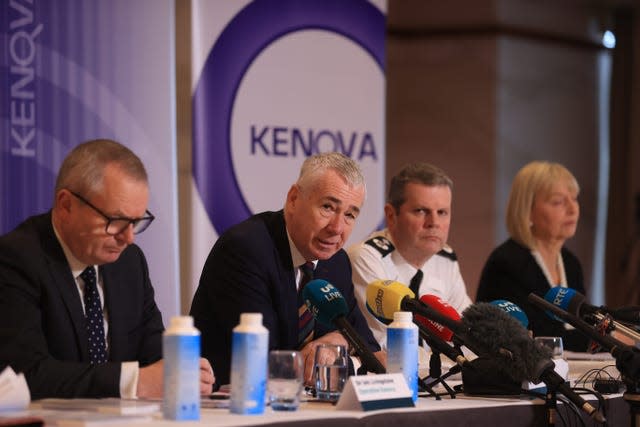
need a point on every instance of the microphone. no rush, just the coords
(502, 336)
(512, 310)
(627, 357)
(625, 314)
(329, 307)
(573, 302)
(443, 308)
(445, 334)
(436, 335)
(385, 297)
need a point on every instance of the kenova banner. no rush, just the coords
(276, 81)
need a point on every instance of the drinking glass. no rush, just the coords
(331, 366)
(285, 379)
(554, 343)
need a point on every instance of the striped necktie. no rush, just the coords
(94, 317)
(305, 318)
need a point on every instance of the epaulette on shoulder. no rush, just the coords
(448, 252)
(381, 244)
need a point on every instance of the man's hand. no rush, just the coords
(382, 357)
(207, 378)
(308, 352)
(150, 379)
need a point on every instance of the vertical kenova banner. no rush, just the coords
(276, 81)
(74, 70)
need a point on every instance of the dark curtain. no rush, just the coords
(623, 228)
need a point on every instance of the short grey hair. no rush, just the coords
(417, 173)
(83, 168)
(314, 166)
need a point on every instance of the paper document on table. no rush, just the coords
(574, 355)
(92, 419)
(110, 405)
(14, 392)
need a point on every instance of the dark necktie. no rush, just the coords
(94, 318)
(305, 318)
(414, 285)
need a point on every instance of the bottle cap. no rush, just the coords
(181, 322)
(251, 319)
(402, 316)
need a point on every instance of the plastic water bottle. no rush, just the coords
(181, 351)
(402, 349)
(249, 351)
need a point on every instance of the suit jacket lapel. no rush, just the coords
(278, 232)
(65, 283)
(114, 287)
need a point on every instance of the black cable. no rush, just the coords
(560, 415)
(570, 406)
(601, 401)
(592, 375)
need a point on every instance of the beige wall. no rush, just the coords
(478, 87)
(482, 87)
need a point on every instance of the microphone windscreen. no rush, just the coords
(324, 301)
(566, 298)
(443, 308)
(494, 333)
(512, 310)
(384, 297)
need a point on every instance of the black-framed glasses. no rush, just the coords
(116, 224)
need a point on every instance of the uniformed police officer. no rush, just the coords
(413, 248)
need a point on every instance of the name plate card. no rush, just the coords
(372, 392)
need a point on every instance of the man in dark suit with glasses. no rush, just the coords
(77, 309)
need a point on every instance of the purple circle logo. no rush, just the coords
(251, 31)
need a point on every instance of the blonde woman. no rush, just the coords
(542, 213)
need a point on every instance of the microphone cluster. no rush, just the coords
(558, 305)
(493, 331)
(487, 330)
(603, 317)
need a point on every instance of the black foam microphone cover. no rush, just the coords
(487, 376)
(496, 334)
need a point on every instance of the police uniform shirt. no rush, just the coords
(377, 259)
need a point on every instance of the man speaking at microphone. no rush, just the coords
(262, 264)
(412, 249)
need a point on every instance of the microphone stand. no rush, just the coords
(610, 324)
(628, 363)
(550, 405)
(436, 370)
(441, 380)
(633, 399)
(627, 357)
(427, 386)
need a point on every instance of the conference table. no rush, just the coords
(462, 411)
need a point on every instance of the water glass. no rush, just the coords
(285, 379)
(331, 366)
(554, 343)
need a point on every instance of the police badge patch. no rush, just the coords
(381, 244)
